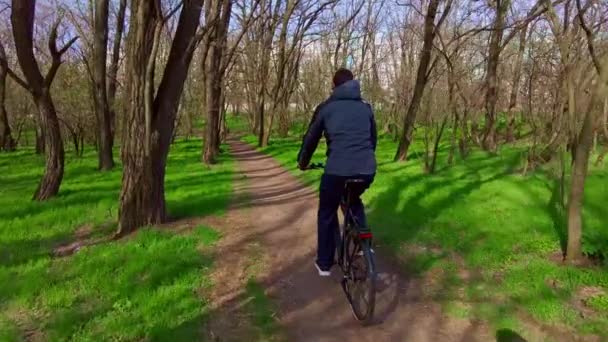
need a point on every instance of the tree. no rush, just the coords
(99, 66)
(515, 84)
(214, 70)
(113, 68)
(39, 86)
(501, 8)
(7, 143)
(430, 31)
(150, 120)
(584, 142)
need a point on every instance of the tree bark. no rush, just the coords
(22, 20)
(454, 109)
(40, 148)
(577, 189)
(268, 30)
(142, 197)
(7, 143)
(438, 136)
(430, 31)
(113, 69)
(489, 142)
(515, 85)
(214, 78)
(582, 150)
(54, 151)
(102, 108)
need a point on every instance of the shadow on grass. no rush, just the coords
(512, 224)
(109, 284)
(508, 335)
(88, 196)
(141, 287)
(557, 210)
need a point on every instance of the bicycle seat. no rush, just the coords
(355, 185)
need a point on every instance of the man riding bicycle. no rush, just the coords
(350, 132)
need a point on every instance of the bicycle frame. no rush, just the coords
(349, 226)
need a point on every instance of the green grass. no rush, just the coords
(483, 216)
(262, 312)
(148, 286)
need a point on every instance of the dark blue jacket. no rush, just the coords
(350, 131)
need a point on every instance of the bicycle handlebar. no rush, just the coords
(314, 166)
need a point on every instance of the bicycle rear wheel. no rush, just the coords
(360, 277)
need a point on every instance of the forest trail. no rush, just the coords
(280, 216)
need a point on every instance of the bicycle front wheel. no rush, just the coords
(360, 277)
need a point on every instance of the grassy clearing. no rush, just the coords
(484, 234)
(149, 286)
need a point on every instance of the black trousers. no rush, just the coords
(330, 194)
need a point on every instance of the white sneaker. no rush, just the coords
(321, 272)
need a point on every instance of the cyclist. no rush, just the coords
(348, 123)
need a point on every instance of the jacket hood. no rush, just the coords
(349, 90)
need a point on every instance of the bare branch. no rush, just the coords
(589, 34)
(11, 73)
(230, 55)
(56, 54)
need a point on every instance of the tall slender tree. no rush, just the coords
(584, 143)
(7, 143)
(430, 32)
(113, 68)
(220, 12)
(99, 66)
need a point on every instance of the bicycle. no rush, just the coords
(355, 255)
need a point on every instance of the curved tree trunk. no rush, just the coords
(54, 152)
(22, 20)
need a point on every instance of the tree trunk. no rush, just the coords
(113, 69)
(215, 76)
(430, 30)
(141, 200)
(604, 130)
(142, 197)
(212, 136)
(577, 189)
(510, 136)
(7, 143)
(489, 142)
(438, 136)
(54, 152)
(40, 148)
(453, 140)
(454, 110)
(262, 142)
(268, 31)
(22, 20)
(102, 109)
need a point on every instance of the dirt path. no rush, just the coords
(277, 213)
